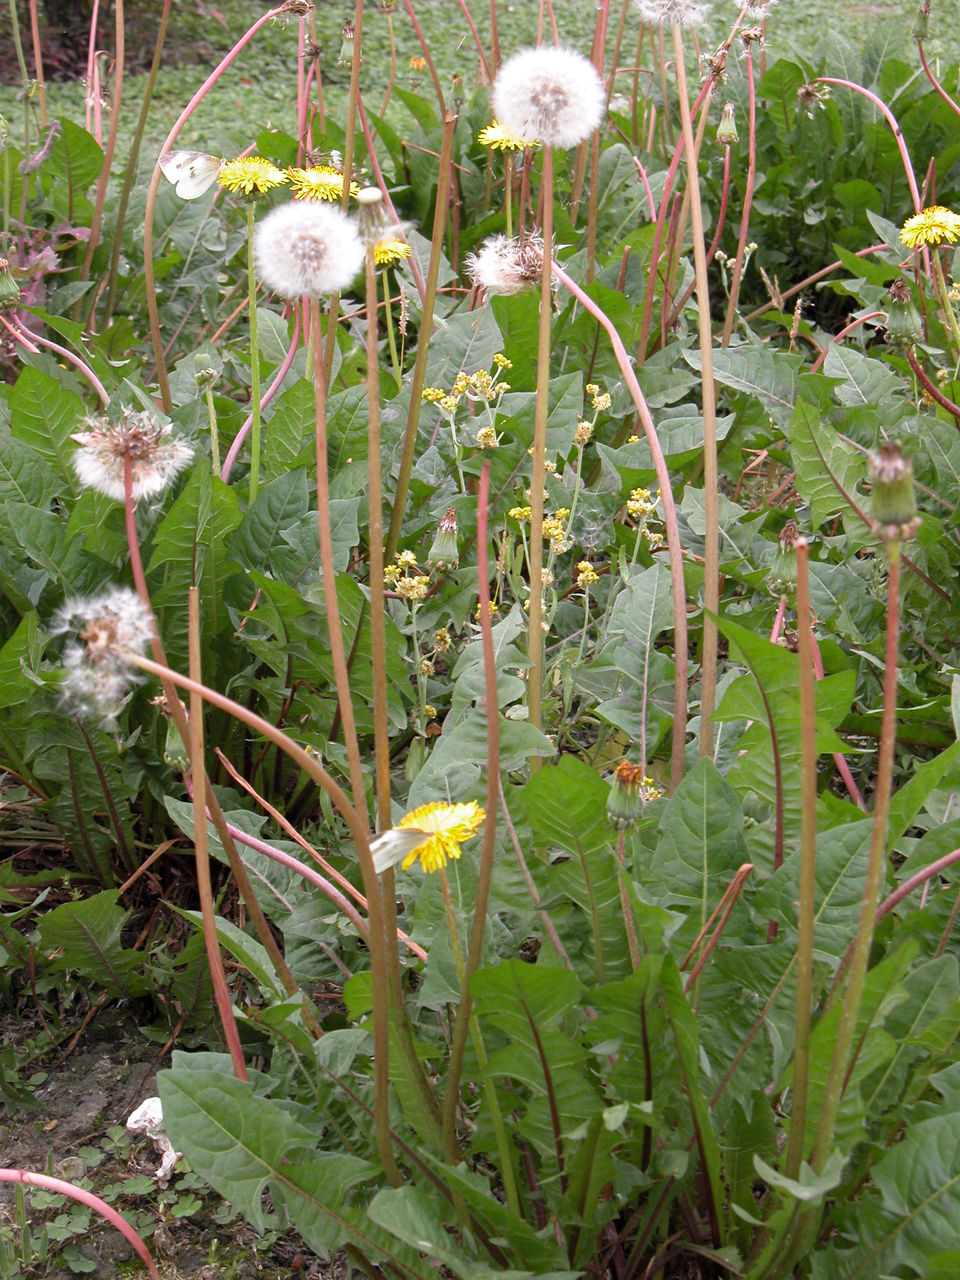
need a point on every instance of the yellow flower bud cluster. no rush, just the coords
(405, 579)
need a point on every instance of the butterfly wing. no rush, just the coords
(192, 172)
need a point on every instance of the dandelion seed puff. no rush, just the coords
(307, 248)
(683, 13)
(506, 266)
(155, 452)
(109, 625)
(551, 94)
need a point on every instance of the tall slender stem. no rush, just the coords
(254, 362)
(808, 837)
(731, 313)
(535, 638)
(423, 341)
(338, 657)
(711, 586)
(846, 1029)
(201, 852)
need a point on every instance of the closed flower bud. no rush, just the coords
(9, 289)
(727, 134)
(444, 549)
(904, 326)
(625, 800)
(894, 501)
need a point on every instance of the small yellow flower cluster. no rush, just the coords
(494, 610)
(251, 176)
(519, 513)
(555, 530)
(599, 399)
(639, 503)
(320, 182)
(501, 361)
(583, 433)
(487, 438)
(406, 579)
(433, 395)
(441, 640)
(586, 575)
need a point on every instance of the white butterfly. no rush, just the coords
(191, 171)
(391, 847)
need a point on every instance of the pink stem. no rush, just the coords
(184, 116)
(892, 122)
(661, 224)
(388, 203)
(63, 353)
(484, 64)
(651, 203)
(842, 767)
(854, 324)
(669, 520)
(265, 399)
(91, 63)
(320, 882)
(91, 1201)
(935, 82)
(915, 881)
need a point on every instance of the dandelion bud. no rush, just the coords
(345, 56)
(444, 549)
(9, 289)
(204, 374)
(371, 221)
(904, 326)
(727, 135)
(625, 800)
(782, 579)
(307, 249)
(894, 501)
(555, 95)
(921, 22)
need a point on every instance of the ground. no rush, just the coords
(77, 1132)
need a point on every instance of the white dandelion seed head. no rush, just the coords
(551, 94)
(308, 248)
(98, 676)
(757, 9)
(156, 454)
(506, 266)
(683, 13)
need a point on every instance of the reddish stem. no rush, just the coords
(105, 1210)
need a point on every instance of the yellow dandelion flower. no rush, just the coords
(931, 226)
(417, 63)
(499, 138)
(586, 575)
(251, 176)
(322, 182)
(388, 252)
(444, 827)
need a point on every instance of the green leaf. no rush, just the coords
(251, 953)
(20, 655)
(771, 377)
(85, 936)
(915, 1217)
(824, 463)
(700, 848)
(44, 415)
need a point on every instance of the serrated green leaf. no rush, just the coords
(824, 463)
(85, 936)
